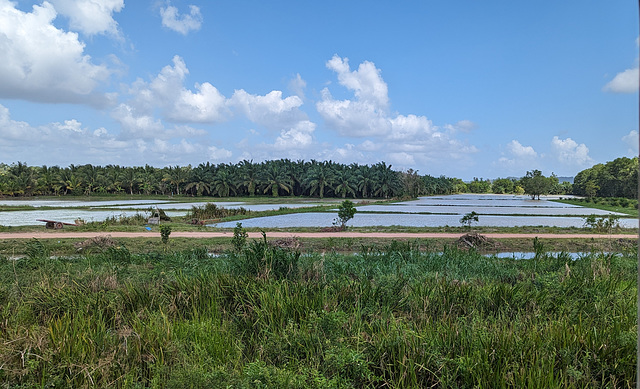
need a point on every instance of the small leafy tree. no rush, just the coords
(469, 218)
(240, 236)
(604, 224)
(165, 231)
(346, 211)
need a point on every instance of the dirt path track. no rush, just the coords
(280, 234)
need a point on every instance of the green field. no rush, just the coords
(628, 207)
(396, 315)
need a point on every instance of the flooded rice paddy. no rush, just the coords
(435, 211)
(441, 211)
(97, 211)
(410, 220)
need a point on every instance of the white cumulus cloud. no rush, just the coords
(270, 110)
(181, 23)
(352, 117)
(624, 82)
(142, 126)
(366, 82)
(57, 143)
(218, 154)
(631, 140)
(70, 125)
(91, 16)
(518, 150)
(461, 126)
(298, 137)
(571, 153)
(367, 114)
(205, 105)
(410, 127)
(404, 139)
(43, 63)
(518, 158)
(167, 93)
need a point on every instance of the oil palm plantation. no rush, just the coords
(387, 181)
(274, 179)
(224, 183)
(248, 177)
(176, 176)
(320, 177)
(345, 182)
(200, 181)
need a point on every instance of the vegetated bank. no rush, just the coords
(614, 204)
(395, 315)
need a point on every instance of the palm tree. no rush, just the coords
(177, 176)
(248, 176)
(46, 178)
(387, 180)
(92, 177)
(413, 185)
(149, 180)
(200, 180)
(130, 179)
(223, 183)
(274, 179)
(345, 182)
(364, 180)
(69, 182)
(295, 172)
(319, 177)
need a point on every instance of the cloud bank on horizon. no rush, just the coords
(104, 82)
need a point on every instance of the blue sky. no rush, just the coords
(465, 89)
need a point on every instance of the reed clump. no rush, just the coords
(210, 211)
(266, 316)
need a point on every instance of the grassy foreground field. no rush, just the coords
(394, 315)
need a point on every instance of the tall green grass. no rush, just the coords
(394, 316)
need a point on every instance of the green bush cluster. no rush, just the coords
(263, 260)
(395, 316)
(137, 219)
(212, 211)
(610, 201)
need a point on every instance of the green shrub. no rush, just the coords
(212, 211)
(240, 235)
(262, 260)
(165, 231)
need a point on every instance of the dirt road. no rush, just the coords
(280, 234)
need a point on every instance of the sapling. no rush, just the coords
(346, 211)
(165, 231)
(469, 218)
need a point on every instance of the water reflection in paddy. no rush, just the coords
(494, 210)
(410, 220)
(446, 211)
(101, 210)
(28, 218)
(489, 200)
(531, 255)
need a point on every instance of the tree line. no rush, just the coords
(284, 177)
(269, 178)
(617, 178)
